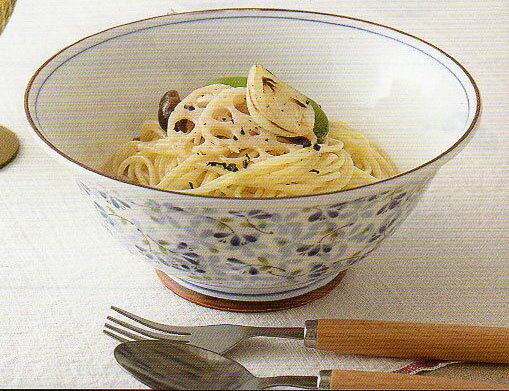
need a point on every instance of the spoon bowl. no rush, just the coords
(169, 365)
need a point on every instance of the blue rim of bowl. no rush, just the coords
(469, 130)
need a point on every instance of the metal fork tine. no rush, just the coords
(151, 334)
(115, 336)
(157, 326)
(124, 332)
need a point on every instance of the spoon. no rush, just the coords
(169, 365)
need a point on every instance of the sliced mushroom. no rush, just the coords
(167, 104)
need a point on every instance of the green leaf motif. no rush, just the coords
(263, 260)
(163, 249)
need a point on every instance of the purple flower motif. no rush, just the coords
(259, 214)
(172, 207)
(316, 216)
(234, 238)
(313, 250)
(84, 187)
(114, 201)
(318, 270)
(252, 270)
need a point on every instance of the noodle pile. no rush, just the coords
(213, 146)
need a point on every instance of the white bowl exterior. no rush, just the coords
(254, 247)
(415, 101)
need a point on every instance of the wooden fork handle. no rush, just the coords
(410, 340)
(360, 380)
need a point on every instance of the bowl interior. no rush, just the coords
(412, 99)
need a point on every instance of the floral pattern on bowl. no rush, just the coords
(278, 249)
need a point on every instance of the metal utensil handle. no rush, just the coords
(305, 382)
(359, 380)
(277, 332)
(410, 340)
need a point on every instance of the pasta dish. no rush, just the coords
(248, 137)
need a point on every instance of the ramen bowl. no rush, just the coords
(414, 100)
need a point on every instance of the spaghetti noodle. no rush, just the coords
(215, 146)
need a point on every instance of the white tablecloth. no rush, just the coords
(60, 270)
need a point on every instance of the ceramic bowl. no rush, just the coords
(416, 101)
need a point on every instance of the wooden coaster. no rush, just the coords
(9, 146)
(247, 306)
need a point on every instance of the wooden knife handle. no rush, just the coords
(410, 340)
(360, 380)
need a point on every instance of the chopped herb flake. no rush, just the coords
(230, 167)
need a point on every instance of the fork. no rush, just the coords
(346, 336)
(217, 338)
